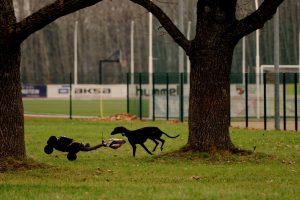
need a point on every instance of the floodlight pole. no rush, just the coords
(150, 65)
(181, 28)
(257, 70)
(244, 59)
(75, 52)
(188, 62)
(276, 69)
(181, 58)
(132, 52)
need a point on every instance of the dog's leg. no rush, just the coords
(162, 143)
(156, 144)
(146, 149)
(133, 149)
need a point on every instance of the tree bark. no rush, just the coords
(211, 58)
(209, 102)
(12, 142)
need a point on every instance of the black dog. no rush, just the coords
(140, 136)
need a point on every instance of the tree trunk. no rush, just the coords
(209, 102)
(12, 142)
(211, 56)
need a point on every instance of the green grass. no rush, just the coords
(273, 172)
(82, 107)
(290, 89)
(79, 107)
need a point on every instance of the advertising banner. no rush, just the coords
(160, 101)
(238, 101)
(34, 91)
(87, 91)
(58, 91)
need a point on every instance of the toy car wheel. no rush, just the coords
(48, 149)
(71, 156)
(52, 141)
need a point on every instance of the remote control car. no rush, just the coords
(66, 144)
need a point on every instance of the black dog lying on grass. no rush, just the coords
(140, 136)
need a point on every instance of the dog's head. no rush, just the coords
(118, 130)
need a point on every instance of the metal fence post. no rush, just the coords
(128, 79)
(167, 82)
(153, 96)
(265, 101)
(229, 115)
(70, 108)
(246, 98)
(284, 100)
(296, 103)
(140, 102)
(181, 97)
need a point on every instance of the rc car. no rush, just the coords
(65, 144)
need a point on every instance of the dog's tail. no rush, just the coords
(170, 136)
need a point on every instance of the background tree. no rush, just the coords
(211, 51)
(12, 34)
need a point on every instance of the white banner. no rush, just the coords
(238, 101)
(87, 91)
(161, 91)
(58, 91)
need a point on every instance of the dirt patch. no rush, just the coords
(117, 117)
(11, 164)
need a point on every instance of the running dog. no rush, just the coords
(140, 136)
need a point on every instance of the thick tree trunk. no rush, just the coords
(211, 56)
(210, 100)
(12, 142)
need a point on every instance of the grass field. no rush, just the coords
(272, 172)
(82, 107)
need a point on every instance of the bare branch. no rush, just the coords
(167, 23)
(48, 14)
(257, 19)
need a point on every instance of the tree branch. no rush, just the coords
(167, 23)
(257, 19)
(48, 14)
